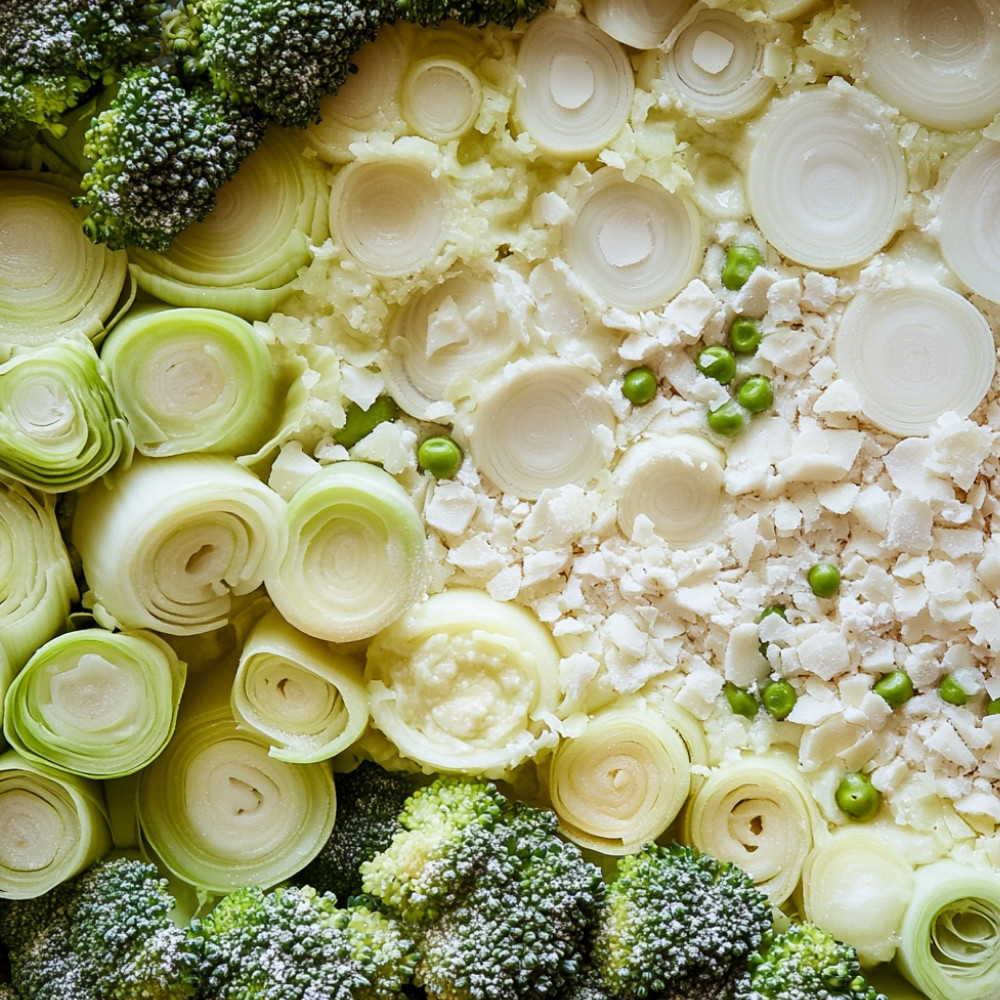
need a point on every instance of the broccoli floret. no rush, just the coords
(292, 943)
(471, 13)
(805, 962)
(499, 903)
(159, 154)
(105, 935)
(678, 924)
(369, 800)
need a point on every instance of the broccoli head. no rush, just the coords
(106, 934)
(804, 962)
(471, 13)
(677, 924)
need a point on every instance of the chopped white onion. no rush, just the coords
(643, 24)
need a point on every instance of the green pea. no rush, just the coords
(993, 706)
(728, 419)
(744, 335)
(857, 796)
(953, 692)
(639, 385)
(895, 687)
(360, 423)
(779, 698)
(741, 260)
(717, 362)
(741, 701)
(439, 456)
(824, 579)
(756, 394)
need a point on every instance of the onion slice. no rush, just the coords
(913, 353)
(641, 24)
(826, 179)
(441, 98)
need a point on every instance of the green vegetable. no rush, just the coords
(951, 691)
(993, 706)
(824, 579)
(741, 701)
(361, 422)
(741, 261)
(857, 796)
(728, 419)
(744, 335)
(440, 456)
(640, 385)
(895, 687)
(755, 394)
(716, 362)
(779, 698)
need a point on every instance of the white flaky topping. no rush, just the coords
(643, 24)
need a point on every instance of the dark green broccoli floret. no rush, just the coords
(499, 903)
(369, 800)
(805, 962)
(105, 935)
(160, 153)
(472, 13)
(678, 924)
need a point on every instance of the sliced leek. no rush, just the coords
(575, 86)
(54, 282)
(464, 684)
(60, 426)
(540, 426)
(168, 543)
(642, 24)
(52, 826)
(674, 480)
(857, 885)
(37, 585)
(95, 703)
(633, 242)
(308, 701)
(758, 813)
(826, 179)
(914, 352)
(441, 97)
(219, 811)
(244, 257)
(621, 782)
(950, 939)
(356, 556)
(192, 379)
(934, 62)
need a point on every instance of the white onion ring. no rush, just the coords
(643, 24)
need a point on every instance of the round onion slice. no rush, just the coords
(633, 242)
(913, 353)
(575, 85)
(826, 179)
(540, 428)
(441, 98)
(643, 24)
(936, 62)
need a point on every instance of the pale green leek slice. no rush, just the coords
(168, 542)
(95, 703)
(465, 684)
(54, 282)
(758, 813)
(60, 426)
(441, 97)
(356, 556)
(244, 257)
(306, 699)
(52, 826)
(950, 940)
(621, 782)
(192, 380)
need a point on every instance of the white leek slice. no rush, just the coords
(967, 212)
(464, 684)
(857, 885)
(950, 940)
(540, 426)
(52, 826)
(936, 62)
(245, 255)
(621, 782)
(390, 214)
(168, 542)
(356, 557)
(635, 243)
(191, 379)
(219, 811)
(95, 703)
(759, 814)
(913, 353)
(826, 179)
(575, 85)
(54, 282)
(37, 586)
(714, 65)
(441, 98)
(676, 481)
(304, 698)
(454, 332)
(60, 426)
(642, 24)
